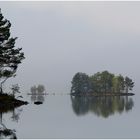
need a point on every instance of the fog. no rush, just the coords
(62, 38)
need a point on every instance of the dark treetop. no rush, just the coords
(100, 83)
(10, 56)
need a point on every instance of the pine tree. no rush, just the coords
(10, 57)
(129, 84)
(80, 83)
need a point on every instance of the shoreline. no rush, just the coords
(103, 94)
(8, 102)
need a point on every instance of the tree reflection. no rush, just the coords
(15, 115)
(40, 98)
(101, 106)
(33, 98)
(37, 93)
(6, 133)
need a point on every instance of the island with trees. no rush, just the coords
(10, 58)
(101, 84)
(37, 94)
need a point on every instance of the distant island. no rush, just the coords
(101, 84)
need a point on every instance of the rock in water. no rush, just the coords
(38, 102)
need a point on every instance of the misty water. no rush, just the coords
(60, 39)
(65, 116)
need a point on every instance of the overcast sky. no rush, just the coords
(62, 38)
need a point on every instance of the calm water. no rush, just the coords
(60, 40)
(62, 116)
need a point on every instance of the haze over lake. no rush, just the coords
(60, 39)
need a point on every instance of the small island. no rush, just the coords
(101, 84)
(10, 58)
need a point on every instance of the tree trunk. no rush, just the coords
(0, 117)
(1, 91)
(126, 89)
(1, 84)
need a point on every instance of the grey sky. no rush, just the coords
(62, 38)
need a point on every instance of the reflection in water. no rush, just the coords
(4, 131)
(37, 98)
(37, 93)
(15, 114)
(101, 106)
(40, 98)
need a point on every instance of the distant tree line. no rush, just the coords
(100, 82)
(37, 89)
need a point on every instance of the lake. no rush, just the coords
(60, 39)
(62, 116)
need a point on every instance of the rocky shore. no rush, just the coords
(8, 102)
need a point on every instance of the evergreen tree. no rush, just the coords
(80, 83)
(106, 81)
(40, 88)
(129, 84)
(101, 82)
(10, 57)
